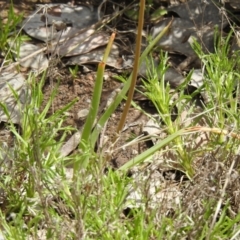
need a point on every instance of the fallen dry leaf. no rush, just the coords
(49, 20)
(17, 82)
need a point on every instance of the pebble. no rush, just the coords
(82, 114)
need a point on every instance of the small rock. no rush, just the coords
(86, 69)
(106, 76)
(82, 114)
(11, 217)
(134, 152)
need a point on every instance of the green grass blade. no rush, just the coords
(86, 133)
(124, 90)
(141, 157)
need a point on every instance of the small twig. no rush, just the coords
(135, 67)
(184, 64)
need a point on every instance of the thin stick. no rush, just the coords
(135, 67)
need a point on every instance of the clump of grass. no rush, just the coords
(222, 89)
(161, 95)
(8, 32)
(36, 170)
(220, 111)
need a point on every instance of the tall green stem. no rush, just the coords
(86, 133)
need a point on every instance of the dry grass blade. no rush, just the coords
(213, 130)
(135, 67)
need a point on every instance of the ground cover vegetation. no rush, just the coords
(183, 184)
